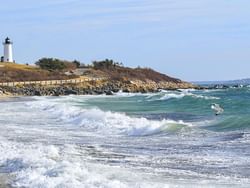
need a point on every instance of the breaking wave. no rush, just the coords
(96, 120)
(166, 95)
(47, 166)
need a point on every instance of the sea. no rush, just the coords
(153, 140)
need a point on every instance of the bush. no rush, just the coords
(77, 63)
(106, 64)
(52, 64)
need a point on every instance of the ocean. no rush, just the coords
(166, 139)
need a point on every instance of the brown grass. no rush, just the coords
(125, 73)
(16, 72)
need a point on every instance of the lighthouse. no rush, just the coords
(8, 55)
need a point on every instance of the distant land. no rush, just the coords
(245, 81)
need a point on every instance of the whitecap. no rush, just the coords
(108, 122)
(47, 166)
(182, 95)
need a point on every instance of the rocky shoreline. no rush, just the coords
(92, 88)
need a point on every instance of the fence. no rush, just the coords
(50, 82)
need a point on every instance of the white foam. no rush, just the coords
(161, 95)
(187, 90)
(105, 122)
(205, 97)
(125, 94)
(47, 166)
(172, 95)
(37, 165)
(166, 95)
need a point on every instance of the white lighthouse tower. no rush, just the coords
(8, 55)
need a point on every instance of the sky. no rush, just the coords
(194, 40)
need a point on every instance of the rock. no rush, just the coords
(70, 92)
(108, 92)
(98, 91)
(56, 93)
(96, 88)
(125, 90)
(37, 93)
(115, 90)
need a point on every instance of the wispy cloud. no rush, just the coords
(106, 11)
(144, 29)
(100, 14)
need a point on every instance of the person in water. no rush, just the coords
(217, 108)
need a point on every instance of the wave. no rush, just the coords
(96, 120)
(125, 94)
(162, 95)
(38, 165)
(231, 123)
(166, 95)
(205, 97)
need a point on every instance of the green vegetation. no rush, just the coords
(106, 64)
(116, 71)
(56, 69)
(52, 64)
(77, 63)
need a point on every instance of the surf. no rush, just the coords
(94, 119)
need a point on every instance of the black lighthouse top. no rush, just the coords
(7, 41)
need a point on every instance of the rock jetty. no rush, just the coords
(92, 88)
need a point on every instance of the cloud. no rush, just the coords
(150, 16)
(68, 11)
(135, 30)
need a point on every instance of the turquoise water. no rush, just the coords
(165, 139)
(188, 105)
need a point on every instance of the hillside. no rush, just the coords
(17, 72)
(10, 72)
(112, 77)
(125, 73)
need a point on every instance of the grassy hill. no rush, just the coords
(16, 72)
(125, 73)
(111, 71)
(115, 77)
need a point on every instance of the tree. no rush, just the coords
(77, 63)
(50, 64)
(105, 64)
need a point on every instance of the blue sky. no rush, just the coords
(189, 39)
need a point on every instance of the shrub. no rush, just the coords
(106, 64)
(52, 64)
(77, 63)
